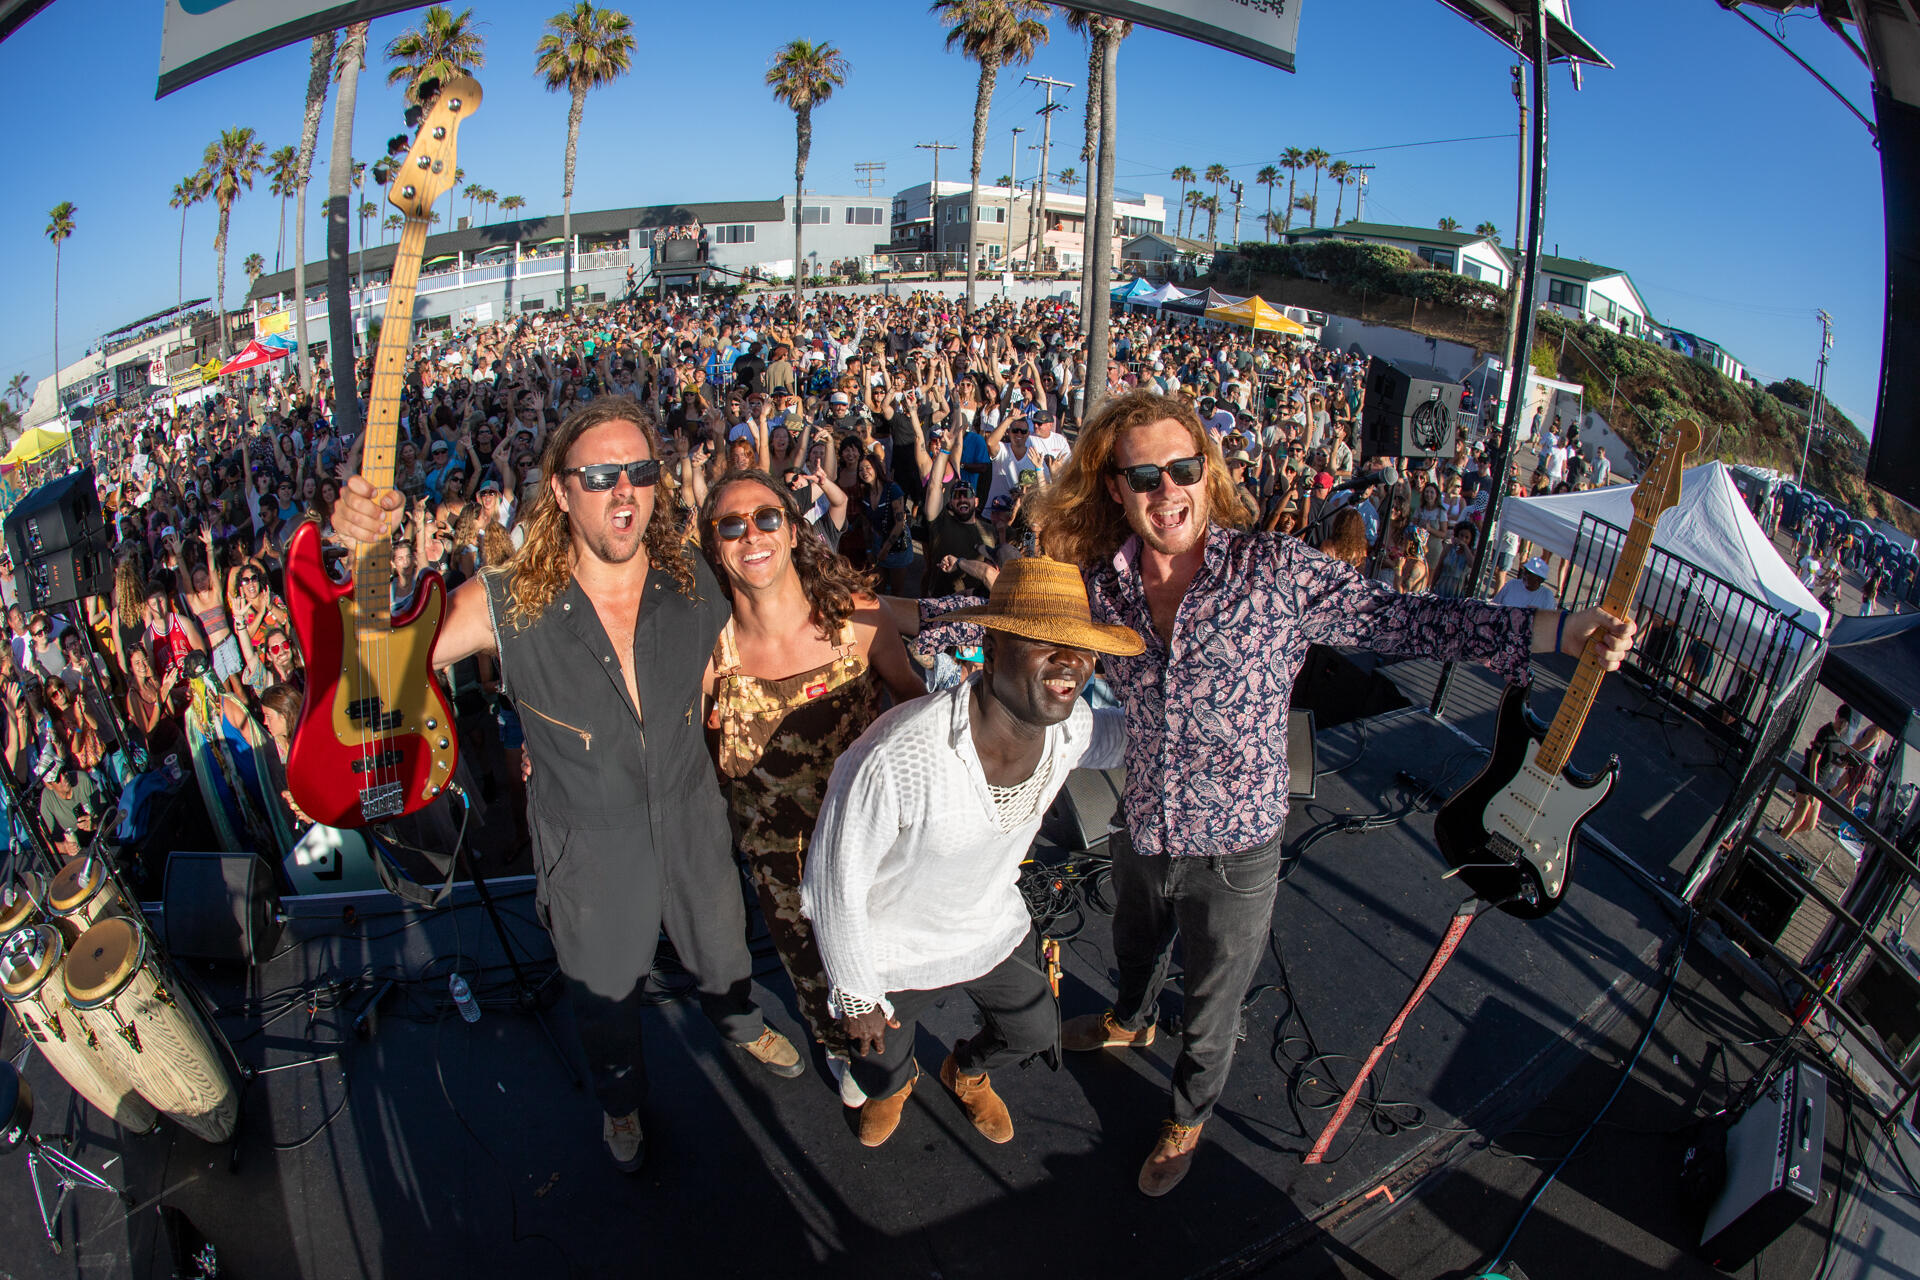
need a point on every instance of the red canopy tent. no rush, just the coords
(251, 355)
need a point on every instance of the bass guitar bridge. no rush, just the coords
(384, 801)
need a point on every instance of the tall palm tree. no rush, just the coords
(1341, 173)
(232, 162)
(1449, 224)
(584, 48)
(17, 390)
(1196, 201)
(1488, 230)
(1069, 178)
(187, 192)
(391, 224)
(1216, 174)
(350, 60)
(443, 46)
(59, 227)
(1097, 32)
(804, 75)
(488, 198)
(1186, 177)
(471, 193)
(319, 66)
(995, 34)
(512, 204)
(1305, 202)
(1316, 160)
(1276, 225)
(255, 266)
(1268, 177)
(1212, 206)
(1293, 160)
(280, 166)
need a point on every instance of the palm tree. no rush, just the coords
(187, 192)
(1293, 160)
(994, 33)
(1316, 160)
(1185, 176)
(350, 60)
(1488, 230)
(1216, 174)
(488, 198)
(1340, 173)
(1305, 202)
(255, 266)
(280, 167)
(1276, 224)
(512, 204)
(584, 48)
(445, 45)
(319, 64)
(1268, 177)
(471, 193)
(803, 76)
(17, 390)
(1195, 200)
(59, 227)
(232, 162)
(391, 224)
(1095, 28)
(1449, 224)
(1212, 206)
(1069, 178)
(1004, 180)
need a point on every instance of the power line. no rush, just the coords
(871, 173)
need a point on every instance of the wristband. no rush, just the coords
(1560, 632)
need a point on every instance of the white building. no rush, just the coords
(1582, 290)
(924, 222)
(1467, 253)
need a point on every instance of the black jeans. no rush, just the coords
(1222, 909)
(1022, 1019)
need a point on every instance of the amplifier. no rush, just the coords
(1776, 1150)
(64, 576)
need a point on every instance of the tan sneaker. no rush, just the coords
(625, 1142)
(1091, 1031)
(879, 1117)
(776, 1053)
(1170, 1158)
(977, 1098)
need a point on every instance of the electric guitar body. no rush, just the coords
(1512, 833)
(375, 738)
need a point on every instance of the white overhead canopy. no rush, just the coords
(1165, 293)
(1710, 529)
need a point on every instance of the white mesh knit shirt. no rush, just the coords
(910, 883)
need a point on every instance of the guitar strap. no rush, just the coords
(1463, 918)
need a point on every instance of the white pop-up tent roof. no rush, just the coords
(1710, 529)
(1164, 294)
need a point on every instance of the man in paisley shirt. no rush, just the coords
(1145, 507)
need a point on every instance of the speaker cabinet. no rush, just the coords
(1776, 1152)
(1086, 808)
(221, 906)
(59, 514)
(1884, 999)
(61, 577)
(1762, 897)
(1406, 415)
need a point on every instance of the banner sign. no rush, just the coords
(200, 37)
(1266, 30)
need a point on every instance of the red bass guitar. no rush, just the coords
(376, 738)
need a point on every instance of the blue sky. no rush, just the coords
(1737, 193)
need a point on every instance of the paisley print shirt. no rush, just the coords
(1206, 754)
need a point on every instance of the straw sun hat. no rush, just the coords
(1040, 598)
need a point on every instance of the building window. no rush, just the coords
(1444, 259)
(1565, 293)
(862, 217)
(732, 233)
(1471, 270)
(530, 304)
(814, 213)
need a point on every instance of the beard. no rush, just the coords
(1181, 536)
(614, 546)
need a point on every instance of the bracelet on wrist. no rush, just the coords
(1560, 632)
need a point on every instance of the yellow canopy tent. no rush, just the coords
(34, 444)
(1256, 314)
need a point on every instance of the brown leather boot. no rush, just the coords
(879, 1117)
(1170, 1158)
(977, 1098)
(1090, 1031)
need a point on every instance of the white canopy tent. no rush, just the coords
(1711, 529)
(1165, 293)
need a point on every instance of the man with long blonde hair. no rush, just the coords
(629, 829)
(1146, 508)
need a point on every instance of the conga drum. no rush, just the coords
(29, 961)
(20, 903)
(121, 991)
(84, 893)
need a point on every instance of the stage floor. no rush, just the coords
(467, 1150)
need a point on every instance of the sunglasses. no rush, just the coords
(1145, 478)
(40, 633)
(601, 476)
(282, 647)
(765, 519)
(1016, 431)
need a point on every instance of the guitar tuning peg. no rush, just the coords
(397, 144)
(427, 90)
(414, 115)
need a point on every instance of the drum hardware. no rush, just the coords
(16, 1130)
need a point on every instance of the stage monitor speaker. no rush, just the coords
(64, 576)
(59, 514)
(1776, 1153)
(1762, 897)
(1086, 809)
(221, 906)
(1303, 763)
(1883, 998)
(1408, 415)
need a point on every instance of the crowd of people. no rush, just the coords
(763, 521)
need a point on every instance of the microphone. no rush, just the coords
(1364, 480)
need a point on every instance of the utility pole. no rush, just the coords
(1360, 196)
(1514, 363)
(1046, 145)
(933, 198)
(1819, 386)
(1239, 191)
(1013, 187)
(870, 174)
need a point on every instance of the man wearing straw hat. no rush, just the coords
(912, 885)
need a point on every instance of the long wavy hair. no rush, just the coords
(832, 586)
(1079, 521)
(544, 564)
(129, 593)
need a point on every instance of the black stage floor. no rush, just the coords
(465, 1150)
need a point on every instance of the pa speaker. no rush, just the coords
(64, 576)
(1086, 808)
(59, 514)
(1406, 415)
(1776, 1151)
(221, 906)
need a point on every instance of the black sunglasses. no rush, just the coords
(765, 519)
(601, 476)
(1145, 478)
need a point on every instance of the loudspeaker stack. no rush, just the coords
(1407, 415)
(58, 541)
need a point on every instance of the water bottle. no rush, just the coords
(463, 997)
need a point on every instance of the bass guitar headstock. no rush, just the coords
(427, 171)
(1659, 486)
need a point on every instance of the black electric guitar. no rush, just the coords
(1511, 833)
